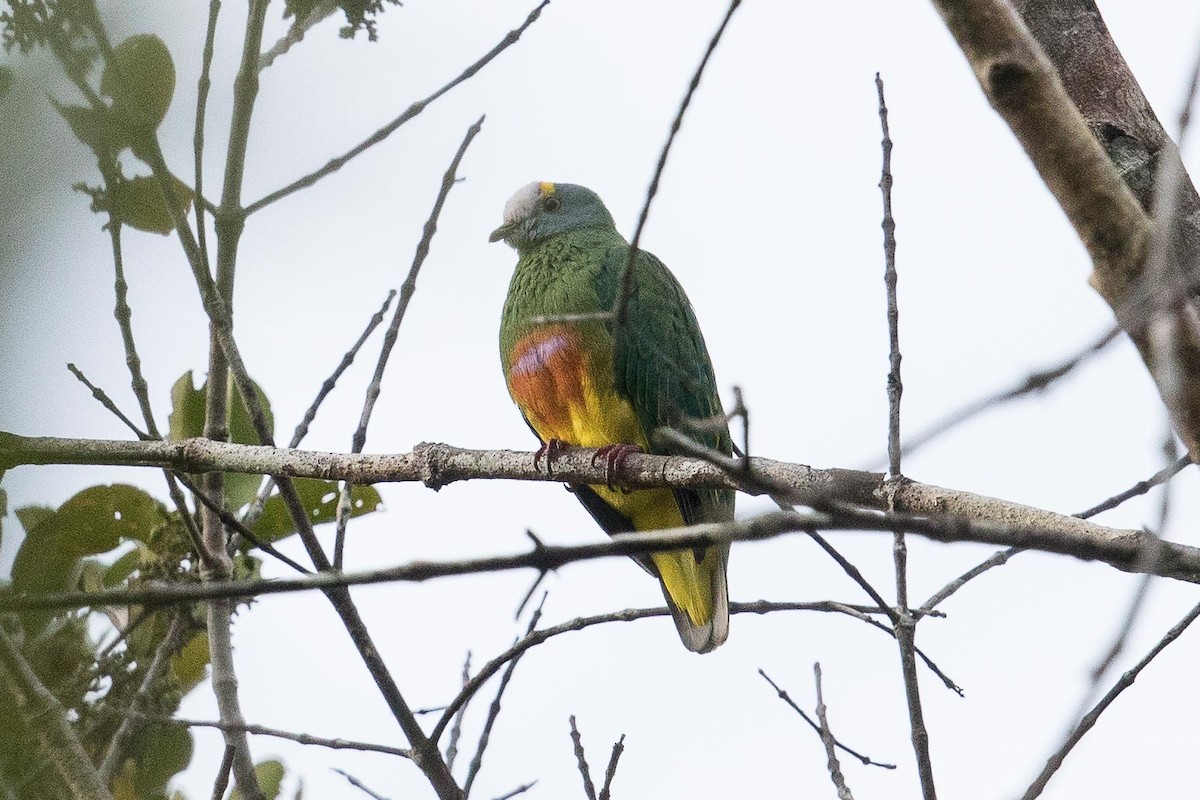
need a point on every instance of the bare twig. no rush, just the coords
(263, 730)
(619, 309)
(535, 638)
(319, 12)
(589, 788)
(412, 111)
(1089, 720)
(494, 709)
(223, 773)
(785, 697)
(357, 784)
(522, 789)
(611, 771)
(827, 738)
(895, 387)
(904, 623)
(456, 730)
(102, 397)
(389, 338)
(997, 559)
(1139, 488)
(202, 86)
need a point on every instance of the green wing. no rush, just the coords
(662, 367)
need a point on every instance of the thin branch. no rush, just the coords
(202, 86)
(412, 111)
(389, 338)
(895, 387)
(611, 771)
(589, 788)
(830, 742)
(357, 784)
(102, 397)
(1139, 488)
(456, 730)
(904, 623)
(537, 637)
(522, 789)
(1089, 721)
(319, 12)
(223, 773)
(619, 309)
(263, 730)
(997, 559)
(785, 697)
(494, 709)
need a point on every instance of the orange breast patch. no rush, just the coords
(548, 378)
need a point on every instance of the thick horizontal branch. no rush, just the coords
(952, 515)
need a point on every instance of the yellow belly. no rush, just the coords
(564, 396)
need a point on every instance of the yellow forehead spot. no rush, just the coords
(546, 188)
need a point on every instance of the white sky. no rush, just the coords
(769, 215)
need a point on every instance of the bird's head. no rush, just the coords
(541, 210)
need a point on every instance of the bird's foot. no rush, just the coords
(614, 455)
(550, 451)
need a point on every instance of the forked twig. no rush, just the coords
(827, 738)
(785, 697)
(389, 338)
(334, 164)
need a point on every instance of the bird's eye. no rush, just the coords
(551, 204)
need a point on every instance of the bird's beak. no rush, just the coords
(501, 232)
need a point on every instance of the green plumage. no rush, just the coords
(595, 382)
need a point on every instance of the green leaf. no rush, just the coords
(140, 79)
(6, 80)
(95, 127)
(30, 516)
(270, 779)
(162, 752)
(139, 203)
(191, 662)
(123, 567)
(320, 498)
(187, 409)
(187, 420)
(94, 521)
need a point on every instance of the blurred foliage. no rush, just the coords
(119, 536)
(96, 661)
(360, 14)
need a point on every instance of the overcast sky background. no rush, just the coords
(769, 215)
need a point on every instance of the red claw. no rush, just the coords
(614, 455)
(550, 451)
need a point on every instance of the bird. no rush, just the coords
(581, 377)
